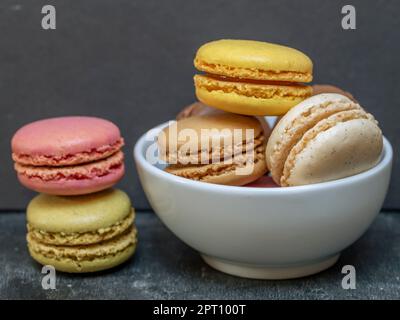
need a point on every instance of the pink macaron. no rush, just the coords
(263, 182)
(68, 155)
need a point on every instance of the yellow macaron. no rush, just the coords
(81, 233)
(252, 77)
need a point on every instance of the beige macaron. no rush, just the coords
(219, 148)
(325, 137)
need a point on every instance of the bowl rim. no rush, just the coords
(138, 154)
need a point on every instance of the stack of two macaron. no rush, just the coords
(321, 138)
(77, 223)
(242, 80)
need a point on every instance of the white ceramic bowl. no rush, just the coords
(269, 233)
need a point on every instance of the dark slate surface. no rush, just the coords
(131, 62)
(165, 268)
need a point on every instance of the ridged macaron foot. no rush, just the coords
(326, 137)
(68, 155)
(200, 109)
(83, 233)
(221, 148)
(251, 77)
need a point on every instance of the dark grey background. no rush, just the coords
(131, 62)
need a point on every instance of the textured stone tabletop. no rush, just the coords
(165, 268)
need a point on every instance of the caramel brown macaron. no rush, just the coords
(318, 89)
(197, 109)
(223, 149)
(327, 88)
(326, 137)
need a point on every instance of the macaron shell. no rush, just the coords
(245, 105)
(220, 173)
(71, 266)
(296, 122)
(84, 171)
(225, 127)
(249, 98)
(346, 149)
(253, 60)
(65, 141)
(200, 109)
(83, 259)
(79, 213)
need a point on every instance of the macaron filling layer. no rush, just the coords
(261, 90)
(69, 159)
(82, 238)
(252, 73)
(79, 172)
(100, 250)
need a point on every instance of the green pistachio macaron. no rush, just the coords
(82, 233)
